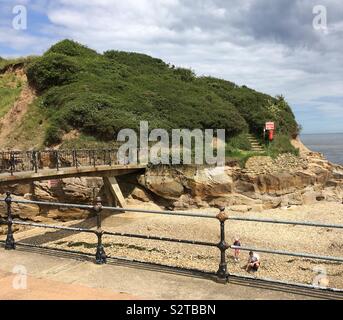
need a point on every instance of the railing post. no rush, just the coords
(222, 272)
(34, 161)
(94, 161)
(110, 158)
(10, 244)
(12, 162)
(57, 159)
(100, 251)
(73, 154)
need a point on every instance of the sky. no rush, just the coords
(288, 47)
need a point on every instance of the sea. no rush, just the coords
(330, 144)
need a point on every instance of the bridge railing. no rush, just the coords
(19, 161)
(101, 258)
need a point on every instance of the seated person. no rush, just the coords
(253, 262)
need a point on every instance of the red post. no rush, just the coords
(271, 135)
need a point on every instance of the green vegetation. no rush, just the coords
(239, 142)
(93, 96)
(10, 88)
(98, 95)
(242, 156)
(6, 64)
(281, 144)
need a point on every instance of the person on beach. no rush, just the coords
(253, 262)
(237, 243)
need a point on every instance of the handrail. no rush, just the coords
(26, 161)
(180, 213)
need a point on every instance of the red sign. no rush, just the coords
(270, 126)
(53, 183)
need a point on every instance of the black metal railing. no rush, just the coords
(100, 255)
(97, 209)
(20, 161)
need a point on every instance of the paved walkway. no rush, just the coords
(52, 277)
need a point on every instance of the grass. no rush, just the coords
(24, 61)
(10, 88)
(87, 142)
(242, 156)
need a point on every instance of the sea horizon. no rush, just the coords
(329, 144)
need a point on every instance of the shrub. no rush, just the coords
(53, 135)
(51, 70)
(281, 144)
(101, 94)
(71, 48)
(185, 75)
(240, 142)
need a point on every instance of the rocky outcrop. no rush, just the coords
(72, 190)
(264, 184)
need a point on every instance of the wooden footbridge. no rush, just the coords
(24, 167)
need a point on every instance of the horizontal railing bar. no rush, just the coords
(88, 207)
(52, 204)
(47, 226)
(291, 254)
(297, 223)
(179, 213)
(162, 212)
(117, 234)
(128, 235)
(287, 283)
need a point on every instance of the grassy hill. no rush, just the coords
(97, 95)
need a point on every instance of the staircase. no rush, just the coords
(255, 145)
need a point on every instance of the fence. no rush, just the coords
(19, 161)
(100, 255)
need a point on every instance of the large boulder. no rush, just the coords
(164, 184)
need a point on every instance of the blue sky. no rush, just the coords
(268, 45)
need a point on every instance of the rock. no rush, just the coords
(293, 199)
(163, 182)
(68, 214)
(240, 208)
(257, 208)
(333, 195)
(211, 182)
(140, 194)
(17, 189)
(271, 202)
(42, 192)
(25, 211)
(309, 198)
(233, 200)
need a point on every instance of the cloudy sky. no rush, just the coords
(275, 46)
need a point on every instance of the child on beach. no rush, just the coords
(253, 262)
(237, 243)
